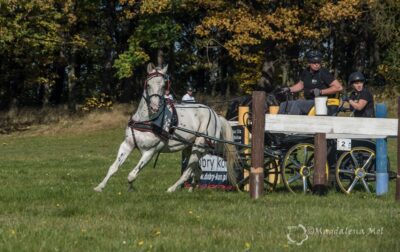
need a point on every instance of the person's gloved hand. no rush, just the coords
(284, 90)
(345, 98)
(316, 92)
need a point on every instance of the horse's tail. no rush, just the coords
(230, 152)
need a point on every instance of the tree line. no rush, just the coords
(64, 52)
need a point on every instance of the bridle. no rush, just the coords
(156, 74)
(147, 97)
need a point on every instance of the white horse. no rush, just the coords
(191, 118)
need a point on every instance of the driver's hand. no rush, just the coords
(284, 90)
(316, 92)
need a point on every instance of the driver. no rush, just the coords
(315, 81)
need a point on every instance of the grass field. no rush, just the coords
(47, 204)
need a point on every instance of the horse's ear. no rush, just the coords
(150, 67)
(164, 70)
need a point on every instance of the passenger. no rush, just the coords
(188, 97)
(361, 100)
(168, 95)
(314, 81)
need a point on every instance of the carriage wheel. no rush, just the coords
(271, 176)
(355, 169)
(298, 168)
(241, 167)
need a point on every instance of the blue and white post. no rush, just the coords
(382, 176)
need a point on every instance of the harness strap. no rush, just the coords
(149, 126)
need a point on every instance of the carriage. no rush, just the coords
(160, 126)
(289, 158)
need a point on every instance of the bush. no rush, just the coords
(97, 103)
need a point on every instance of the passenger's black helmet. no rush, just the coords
(356, 76)
(314, 56)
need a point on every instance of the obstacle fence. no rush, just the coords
(322, 127)
(343, 129)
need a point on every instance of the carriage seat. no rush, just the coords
(281, 140)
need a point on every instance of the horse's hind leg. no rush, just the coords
(190, 171)
(185, 176)
(124, 150)
(196, 177)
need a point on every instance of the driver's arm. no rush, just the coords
(334, 88)
(297, 87)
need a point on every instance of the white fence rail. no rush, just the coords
(332, 126)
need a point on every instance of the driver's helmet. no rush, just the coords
(314, 56)
(356, 77)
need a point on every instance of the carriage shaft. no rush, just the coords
(267, 151)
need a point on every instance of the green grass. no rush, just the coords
(47, 204)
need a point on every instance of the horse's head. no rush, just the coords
(154, 87)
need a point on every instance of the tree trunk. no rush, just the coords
(171, 70)
(45, 89)
(15, 89)
(160, 58)
(58, 94)
(224, 80)
(214, 77)
(71, 80)
(375, 57)
(285, 73)
(108, 73)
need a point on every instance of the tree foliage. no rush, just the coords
(56, 52)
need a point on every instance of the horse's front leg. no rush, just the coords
(146, 157)
(124, 150)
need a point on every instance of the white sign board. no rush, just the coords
(343, 144)
(211, 163)
(214, 170)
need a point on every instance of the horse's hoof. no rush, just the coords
(171, 190)
(98, 189)
(191, 189)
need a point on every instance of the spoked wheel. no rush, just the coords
(243, 169)
(355, 170)
(271, 176)
(298, 168)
